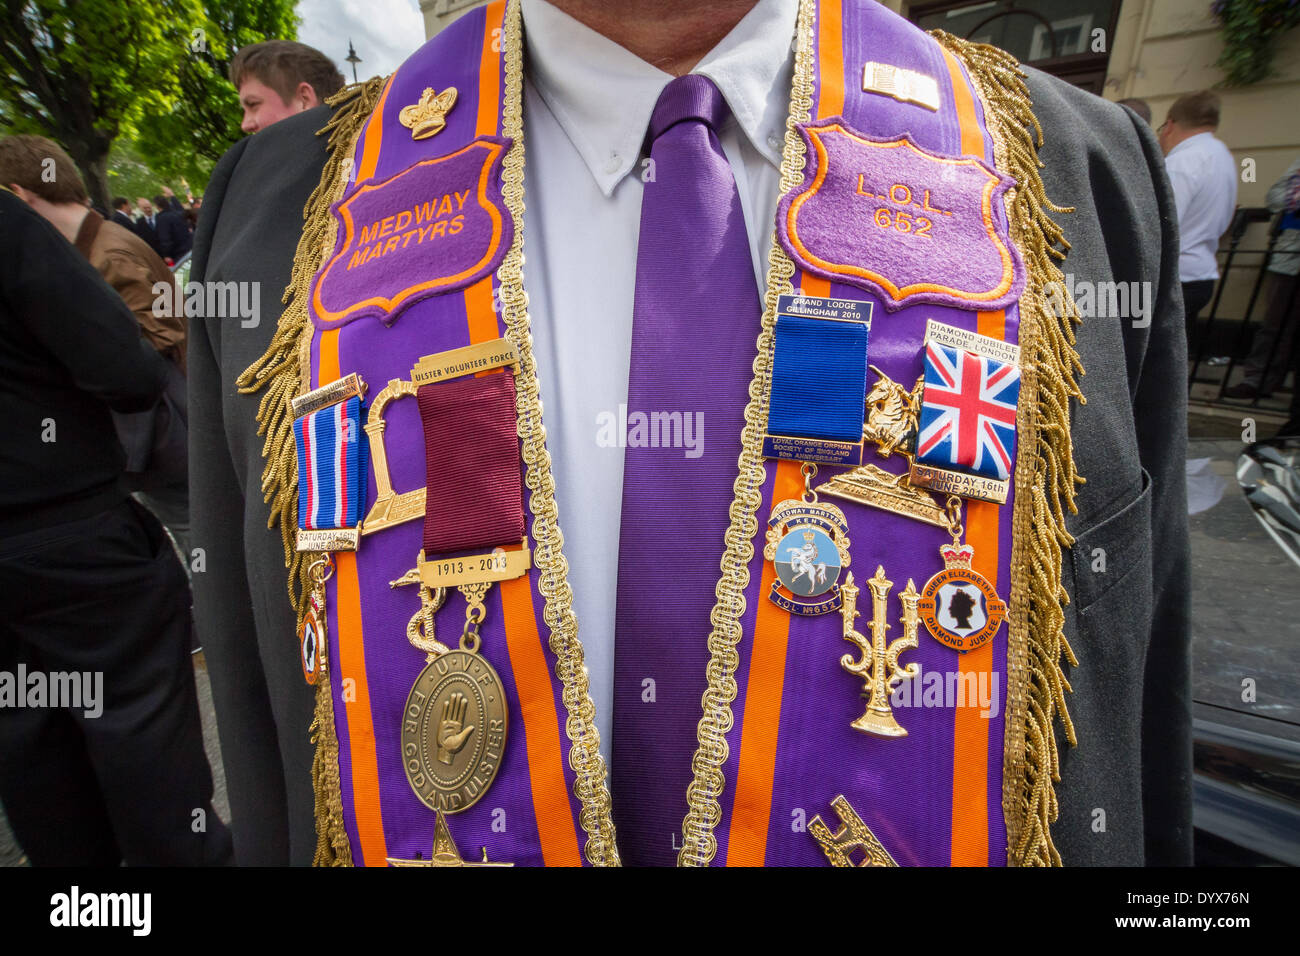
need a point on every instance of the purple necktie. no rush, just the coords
(694, 327)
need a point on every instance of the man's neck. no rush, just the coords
(1186, 134)
(66, 217)
(672, 35)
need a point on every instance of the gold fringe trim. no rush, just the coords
(278, 375)
(332, 848)
(1045, 474)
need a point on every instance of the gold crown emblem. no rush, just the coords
(809, 537)
(428, 116)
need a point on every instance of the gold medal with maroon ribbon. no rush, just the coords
(454, 725)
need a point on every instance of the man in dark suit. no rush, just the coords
(146, 224)
(122, 213)
(174, 239)
(1131, 690)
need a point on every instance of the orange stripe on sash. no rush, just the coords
(815, 286)
(752, 810)
(489, 90)
(373, 138)
(830, 62)
(480, 315)
(555, 827)
(351, 665)
(972, 137)
(830, 56)
(970, 801)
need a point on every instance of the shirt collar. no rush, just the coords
(602, 95)
(1192, 142)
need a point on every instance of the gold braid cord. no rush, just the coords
(1045, 474)
(278, 374)
(584, 743)
(699, 845)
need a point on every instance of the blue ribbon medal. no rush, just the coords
(819, 380)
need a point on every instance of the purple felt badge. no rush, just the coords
(436, 227)
(895, 219)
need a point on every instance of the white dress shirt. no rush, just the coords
(587, 106)
(1204, 177)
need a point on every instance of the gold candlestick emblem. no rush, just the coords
(879, 668)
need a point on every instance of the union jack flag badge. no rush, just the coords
(966, 436)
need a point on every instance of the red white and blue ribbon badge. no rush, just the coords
(331, 466)
(968, 412)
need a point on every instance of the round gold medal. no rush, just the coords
(454, 731)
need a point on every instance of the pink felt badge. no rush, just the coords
(902, 222)
(434, 228)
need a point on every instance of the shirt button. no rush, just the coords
(612, 164)
(773, 141)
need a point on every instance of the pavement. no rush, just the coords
(1245, 604)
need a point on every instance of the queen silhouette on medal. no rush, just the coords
(808, 545)
(958, 605)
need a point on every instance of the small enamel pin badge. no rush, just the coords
(958, 605)
(808, 545)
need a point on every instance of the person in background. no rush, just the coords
(146, 224)
(134, 271)
(1273, 343)
(173, 234)
(94, 596)
(1204, 178)
(122, 213)
(170, 201)
(278, 78)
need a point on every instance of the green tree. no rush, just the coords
(130, 175)
(80, 71)
(201, 122)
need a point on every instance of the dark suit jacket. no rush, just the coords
(250, 234)
(1128, 626)
(123, 220)
(174, 239)
(149, 233)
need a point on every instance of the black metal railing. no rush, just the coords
(1244, 218)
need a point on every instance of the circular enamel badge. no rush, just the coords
(454, 731)
(808, 545)
(807, 561)
(959, 606)
(311, 644)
